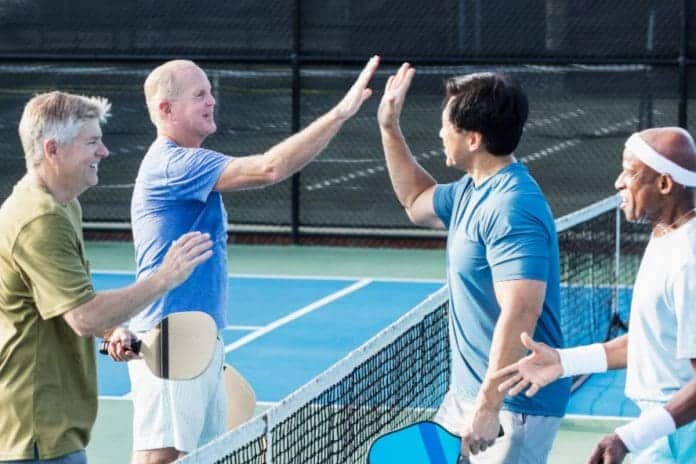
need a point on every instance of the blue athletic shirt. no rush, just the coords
(500, 230)
(173, 195)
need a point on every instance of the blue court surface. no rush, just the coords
(283, 331)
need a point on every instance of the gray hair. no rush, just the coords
(57, 116)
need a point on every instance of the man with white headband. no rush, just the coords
(657, 186)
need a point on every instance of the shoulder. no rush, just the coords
(456, 188)
(28, 204)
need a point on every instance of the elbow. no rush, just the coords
(412, 216)
(272, 173)
(80, 325)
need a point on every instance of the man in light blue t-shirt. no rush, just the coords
(178, 189)
(502, 260)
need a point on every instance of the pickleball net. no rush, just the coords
(400, 376)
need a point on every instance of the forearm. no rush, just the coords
(295, 152)
(506, 349)
(408, 178)
(113, 307)
(616, 351)
(682, 406)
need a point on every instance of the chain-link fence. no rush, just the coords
(595, 72)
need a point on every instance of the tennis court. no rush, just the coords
(285, 330)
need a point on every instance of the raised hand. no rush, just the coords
(536, 370)
(610, 450)
(185, 253)
(394, 96)
(358, 93)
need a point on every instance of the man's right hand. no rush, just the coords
(394, 96)
(185, 253)
(359, 92)
(536, 370)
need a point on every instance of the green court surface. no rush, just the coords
(111, 438)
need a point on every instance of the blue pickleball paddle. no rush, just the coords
(420, 443)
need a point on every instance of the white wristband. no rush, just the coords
(651, 425)
(586, 359)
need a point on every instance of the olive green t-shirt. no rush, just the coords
(48, 384)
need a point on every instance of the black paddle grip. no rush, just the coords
(104, 346)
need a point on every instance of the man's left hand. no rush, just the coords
(610, 450)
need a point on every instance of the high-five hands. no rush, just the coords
(358, 93)
(394, 96)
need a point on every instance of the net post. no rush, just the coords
(617, 261)
(268, 453)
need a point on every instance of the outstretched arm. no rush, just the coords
(295, 152)
(545, 364)
(109, 308)
(412, 184)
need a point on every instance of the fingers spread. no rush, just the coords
(505, 371)
(521, 385)
(532, 390)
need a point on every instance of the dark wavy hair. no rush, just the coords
(492, 104)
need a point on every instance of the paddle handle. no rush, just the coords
(135, 346)
(465, 459)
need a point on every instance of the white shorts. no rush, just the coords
(180, 414)
(527, 439)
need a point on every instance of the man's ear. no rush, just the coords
(475, 140)
(665, 184)
(165, 107)
(50, 151)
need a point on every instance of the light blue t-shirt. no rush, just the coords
(500, 230)
(173, 195)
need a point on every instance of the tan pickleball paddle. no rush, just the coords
(241, 399)
(180, 347)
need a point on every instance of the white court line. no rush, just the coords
(297, 314)
(243, 327)
(126, 397)
(604, 418)
(406, 280)
(354, 278)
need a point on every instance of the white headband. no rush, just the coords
(658, 162)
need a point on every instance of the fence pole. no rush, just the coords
(296, 115)
(683, 71)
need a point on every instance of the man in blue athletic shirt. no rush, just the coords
(502, 260)
(178, 189)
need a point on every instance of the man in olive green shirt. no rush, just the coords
(49, 311)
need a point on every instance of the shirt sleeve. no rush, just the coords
(682, 296)
(193, 173)
(48, 254)
(518, 245)
(443, 201)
